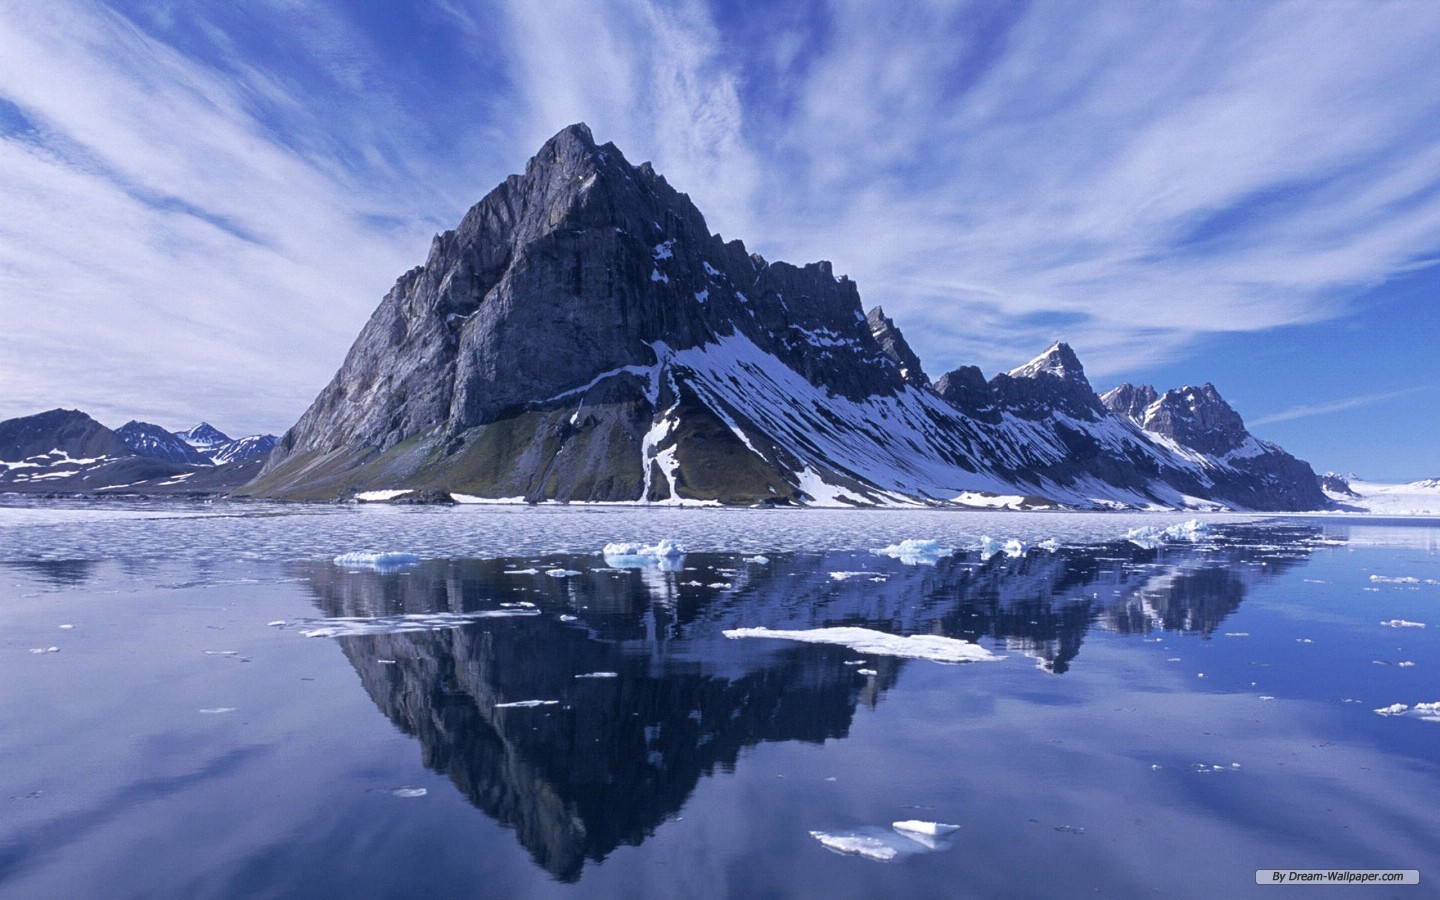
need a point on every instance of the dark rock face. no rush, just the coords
(582, 336)
(1198, 418)
(155, 442)
(1054, 381)
(69, 431)
(1334, 483)
(1130, 401)
(967, 390)
(892, 344)
(204, 437)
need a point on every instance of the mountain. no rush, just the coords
(204, 437)
(892, 344)
(155, 442)
(582, 336)
(250, 447)
(65, 451)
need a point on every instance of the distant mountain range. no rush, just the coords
(66, 451)
(582, 336)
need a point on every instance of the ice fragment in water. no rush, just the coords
(599, 675)
(408, 792)
(633, 555)
(40, 650)
(66, 627)
(1393, 709)
(381, 561)
(758, 560)
(565, 617)
(1149, 537)
(934, 829)
(217, 710)
(858, 845)
(522, 571)
(526, 704)
(1403, 623)
(1381, 579)
(912, 552)
(561, 573)
(866, 672)
(865, 640)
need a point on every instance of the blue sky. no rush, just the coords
(202, 202)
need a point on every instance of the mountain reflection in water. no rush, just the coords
(617, 756)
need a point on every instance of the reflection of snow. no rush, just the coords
(865, 640)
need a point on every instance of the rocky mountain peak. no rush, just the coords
(1198, 418)
(893, 345)
(967, 390)
(155, 442)
(1058, 360)
(1053, 381)
(1130, 400)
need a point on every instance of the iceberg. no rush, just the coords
(666, 554)
(380, 561)
(526, 704)
(1150, 537)
(913, 552)
(867, 641)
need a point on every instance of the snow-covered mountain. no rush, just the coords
(250, 447)
(204, 437)
(153, 441)
(1351, 494)
(582, 336)
(65, 451)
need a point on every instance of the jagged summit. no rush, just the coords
(1058, 360)
(152, 440)
(893, 345)
(1130, 400)
(1197, 417)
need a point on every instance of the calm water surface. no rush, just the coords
(227, 713)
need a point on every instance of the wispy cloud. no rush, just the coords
(239, 189)
(1322, 409)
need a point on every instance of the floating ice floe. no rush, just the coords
(758, 560)
(217, 710)
(40, 650)
(1402, 623)
(916, 826)
(913, 552)
(866, 672)
(1381, 579)
(381, 561)
(526, 704)
(865, 640)
(991, 547)
(1049, 545)
(409, 792)
(1394, 709)
(566, 617)
(66, 627)
(1149, 537)
(561, 573)
(522, 571)
(599, 675)
(881, 845)
(347, 626)
(666, 554)
(1430, 712)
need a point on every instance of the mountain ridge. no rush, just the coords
(582, 336)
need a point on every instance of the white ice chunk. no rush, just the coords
(758, 560)
(565, 617)
(1150, 537)
(865, 640)
(917, 826)
(373, 496)
(599, 675)
(1382, 579)
(912, 551)
(636, 555)
(380, 560)
(1393, 709)
(217, 710)
(1402, 623)
(561, 573)
(409, 792)
(526, 704)
(42, 650)
(868, 846)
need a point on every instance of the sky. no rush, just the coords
(201, 202)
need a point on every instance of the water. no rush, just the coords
(1163, 723)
